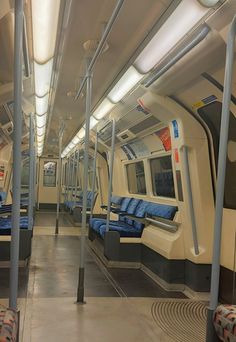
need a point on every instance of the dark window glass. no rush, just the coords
(211, 114)
(162, 177)
(136, 178)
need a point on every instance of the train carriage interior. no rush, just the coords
(117, 170)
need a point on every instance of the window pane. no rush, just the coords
(136, 178)
(162, 177)
(49, 174)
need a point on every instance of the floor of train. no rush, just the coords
(118, 305)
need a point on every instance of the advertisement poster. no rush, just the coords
(164, 136)
(2, 172)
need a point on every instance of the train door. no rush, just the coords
(47, 183)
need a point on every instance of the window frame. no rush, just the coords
(126, 164)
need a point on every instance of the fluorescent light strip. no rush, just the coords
(41, 120)
(182, 20)
(130, 78)
(41, 104)
(41, 131)
(93, 122)
(42, 77)
(45, 15)
(104, 108)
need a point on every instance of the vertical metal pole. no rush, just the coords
(220, 187)
(76, 177)
(190, 199)
(73, 176)
(94, 174)
(17, 135)
(111, 163)
(68, 178)
(80, 291)
(31, 173)
(59, 181)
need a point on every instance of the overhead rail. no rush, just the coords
(61, 131)
(198, 37)
(31, 171)
(94, 174)
(101, 44)
(111, 164)
(190, 199)
(220, 187)
(17, 136)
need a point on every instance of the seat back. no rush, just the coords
(162, 210)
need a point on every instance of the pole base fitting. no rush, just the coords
(210, 332)
(80, 291)
(57, 225)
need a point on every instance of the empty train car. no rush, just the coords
(118, 170)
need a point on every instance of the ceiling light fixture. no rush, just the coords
(104, 108)
(210, 3)
(42, 77)
(130, 78)
(181, 21)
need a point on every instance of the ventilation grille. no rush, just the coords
(145, 124)
(106, 132)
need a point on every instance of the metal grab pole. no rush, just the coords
(80, 291)
(94, 174)
(31, 173)
(220, 188)
(76, 177)
(17, 136)
(101, 44)
(190, 200)
(59, 181)
(67, 178)
(111, 162)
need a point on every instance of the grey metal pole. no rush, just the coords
(59, 180)
(220, 187)
(76, 177)
(111, 163)
(68, 179)
(31, 173)
(101, 44)
(72, 176)
(17, 136)
(94, 174)
(80, 291)
(190, 199)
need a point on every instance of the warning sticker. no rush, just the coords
(175, 128)
(204, 101)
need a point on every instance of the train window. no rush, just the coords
(49, 173)
(136, 178)
(162, 177)
(211, 114)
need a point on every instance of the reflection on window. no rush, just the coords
(162, 177)
(136, 178)
(25, 174)
(49, 174)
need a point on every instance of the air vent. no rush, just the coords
(145, 124)
(106, 132)
(125, 135)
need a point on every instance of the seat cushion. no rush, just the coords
(131, 209)
(162, 210)
(125, 230)
(225, 322)
(8, 325)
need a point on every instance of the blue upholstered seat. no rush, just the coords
(161, 210)
(125, 230)
(5, 224)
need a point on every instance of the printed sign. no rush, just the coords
(204, 101)
(176, 154)
(2, 172)
(175, 128)
(135, 149)
(164, 136)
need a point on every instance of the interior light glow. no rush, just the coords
(40, 131)
(182, 20)
(71, 145)
(81, 133)
(42, 77)
(75, 140)
(41, 104)
(41, 120)
(130, 78)
(209, 3)
(40, 138)
(105, 107)
(45, 19)
(93, 122)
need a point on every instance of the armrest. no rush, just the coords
(162, 223)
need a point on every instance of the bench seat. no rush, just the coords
(8, 325)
